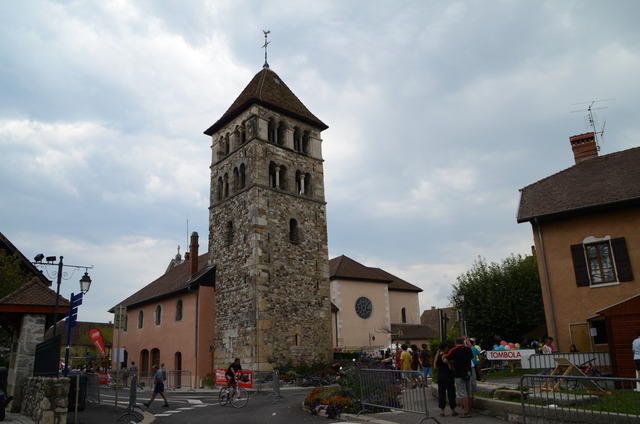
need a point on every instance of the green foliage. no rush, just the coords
(12, 276)
(503, 300)
(209, 381)
(333, 400)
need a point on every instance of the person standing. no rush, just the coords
(425, 361)
(158, 388)
(636, 357)
(133, 373)
(461, 358)
(164, 372)
(446, 381)
(405, 358)
(476, 359)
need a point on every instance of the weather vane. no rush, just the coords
(266, 43)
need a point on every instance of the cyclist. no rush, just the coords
(233, 370)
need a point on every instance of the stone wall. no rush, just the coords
(25, 339)
(46, 400)
(272, 283)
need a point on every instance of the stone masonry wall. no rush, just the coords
(46, 400)
(272, 293)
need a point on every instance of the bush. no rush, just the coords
(209, 380)
(333, 400)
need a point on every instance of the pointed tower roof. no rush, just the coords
(267, 89)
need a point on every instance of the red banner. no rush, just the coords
(245, 375)
(96, 338)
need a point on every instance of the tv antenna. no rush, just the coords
(266, 43)
(592, 120)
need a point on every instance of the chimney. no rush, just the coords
(584, 147)
(193, 254)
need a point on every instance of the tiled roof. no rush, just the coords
(413, 331)
(346, 268)
(27, 266)
(398, 283)
(34, 293)
(597, 183)
(175, 280)
(267, 89)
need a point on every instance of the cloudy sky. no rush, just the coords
(438, 113)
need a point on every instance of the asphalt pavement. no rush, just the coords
(108, 413)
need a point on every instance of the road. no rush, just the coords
(203, 407)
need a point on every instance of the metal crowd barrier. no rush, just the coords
(131, 407)
(573, 399)
(602, 361)
(145, 380)
(267, 381)
(180, 380)
(93, 388)
(394, 389)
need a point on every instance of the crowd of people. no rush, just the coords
(458, 371)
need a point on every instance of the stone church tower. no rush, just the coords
(268, 230)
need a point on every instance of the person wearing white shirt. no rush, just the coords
(635, 346)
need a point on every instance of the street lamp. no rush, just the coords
(85, 281)
(463, 323)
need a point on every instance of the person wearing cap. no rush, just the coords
(461, 357)
(476, 359)
(158, 387)
(446, 382)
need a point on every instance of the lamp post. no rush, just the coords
(463, 317)
(85, 281)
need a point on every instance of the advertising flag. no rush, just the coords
(96, 338)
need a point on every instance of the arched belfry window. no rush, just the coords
(271, 130)
(282, 130)
(242, 134)
(277, 176)
(294, 236)
(297, 139)
(305, 142)
(225, 186)
(220, 189)
(274, 175)
(283, 177)
(243, 177)
(236, 179)
(225, 145)
(307, 184)
(221, 148)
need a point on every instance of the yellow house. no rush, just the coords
(586, 229)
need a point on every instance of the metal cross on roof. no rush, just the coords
(266, 43)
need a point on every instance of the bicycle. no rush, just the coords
(236, 396)
(589, 369)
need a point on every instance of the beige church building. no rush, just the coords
(265, 290)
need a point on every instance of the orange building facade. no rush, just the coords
(586, 229)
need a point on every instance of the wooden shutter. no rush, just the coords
(580, 265)
(621, 258)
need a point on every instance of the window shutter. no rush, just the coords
(621, 258)
(580, 265)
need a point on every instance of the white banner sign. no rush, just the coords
(511, 355)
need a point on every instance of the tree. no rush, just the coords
(12, 276)
(503, 301)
